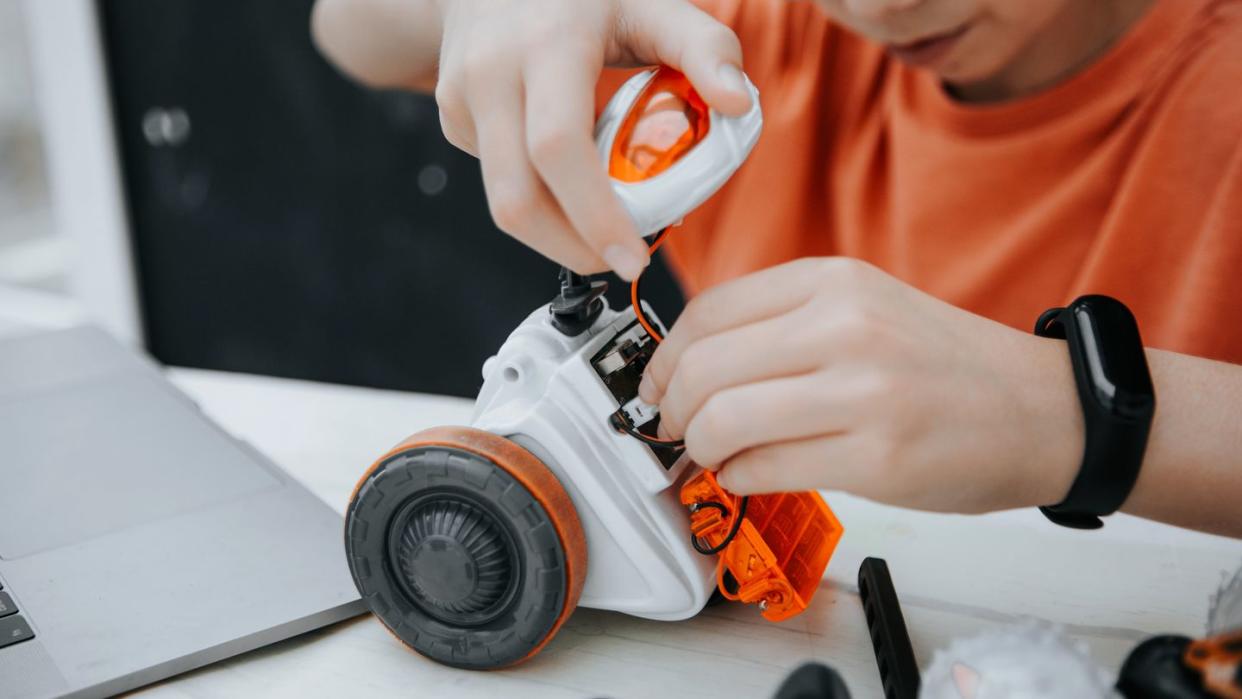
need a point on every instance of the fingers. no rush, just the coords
(745, 355)
(750, 299)
(518, 201)
(749, 416)
(559, 117)
(808, 464)
(545, 182)
(455, 119)
(681, 35)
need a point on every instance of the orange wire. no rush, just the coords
(642, 319)
(651, 331)
(638, 309)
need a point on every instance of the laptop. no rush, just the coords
(137, 539)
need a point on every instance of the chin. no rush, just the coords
(964, 74)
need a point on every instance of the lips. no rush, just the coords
(928, 51)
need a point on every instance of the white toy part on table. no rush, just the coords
(541, 391)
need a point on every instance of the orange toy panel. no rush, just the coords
(668, 119)
(780, 551)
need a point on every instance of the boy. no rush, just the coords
(968, 162)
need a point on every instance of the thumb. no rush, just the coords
(682, 36)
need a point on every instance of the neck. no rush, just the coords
(1075, 38)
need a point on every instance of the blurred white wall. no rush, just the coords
(30, 254)
(33, 258)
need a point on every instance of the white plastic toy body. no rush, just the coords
(663, 199)
(542, 391)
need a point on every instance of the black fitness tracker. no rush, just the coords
(1118, 402)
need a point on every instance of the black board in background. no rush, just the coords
(295, 224)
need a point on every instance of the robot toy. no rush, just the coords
(473, 544)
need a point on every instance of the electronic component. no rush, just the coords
(621, 362)
(775, 548)
(894, 656)
(620, 365)
(578, 305)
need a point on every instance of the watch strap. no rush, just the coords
(1113, 443)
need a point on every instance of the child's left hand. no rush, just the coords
(828, 373)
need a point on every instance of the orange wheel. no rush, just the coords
(466, 547)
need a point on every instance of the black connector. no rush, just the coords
(733, 528)
(579, 303)
(899, 673)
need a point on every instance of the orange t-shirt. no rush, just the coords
(1124, 180)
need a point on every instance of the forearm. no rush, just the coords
(1192, 471)
(381, 43)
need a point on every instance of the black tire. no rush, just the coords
(457, 557)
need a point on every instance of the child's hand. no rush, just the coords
(516, 88)
(828, 373)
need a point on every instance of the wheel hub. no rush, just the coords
(454, 559)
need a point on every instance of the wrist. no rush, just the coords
(1056, 427)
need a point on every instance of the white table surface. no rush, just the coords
(955, 575)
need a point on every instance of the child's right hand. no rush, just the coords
(516, 88)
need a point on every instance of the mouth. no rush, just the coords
(929, 50)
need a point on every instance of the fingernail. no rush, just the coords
(625, 262)
(722, 478)
(732, 78)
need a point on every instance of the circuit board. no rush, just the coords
(620, 365)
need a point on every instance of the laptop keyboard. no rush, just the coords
(13, 626)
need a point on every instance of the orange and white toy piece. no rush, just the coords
(666, 150)
(778, 554)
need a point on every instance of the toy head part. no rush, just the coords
(666, 150)
(668, 119)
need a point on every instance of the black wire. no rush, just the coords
(622, 423)
(652, 441)
(737, 524)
